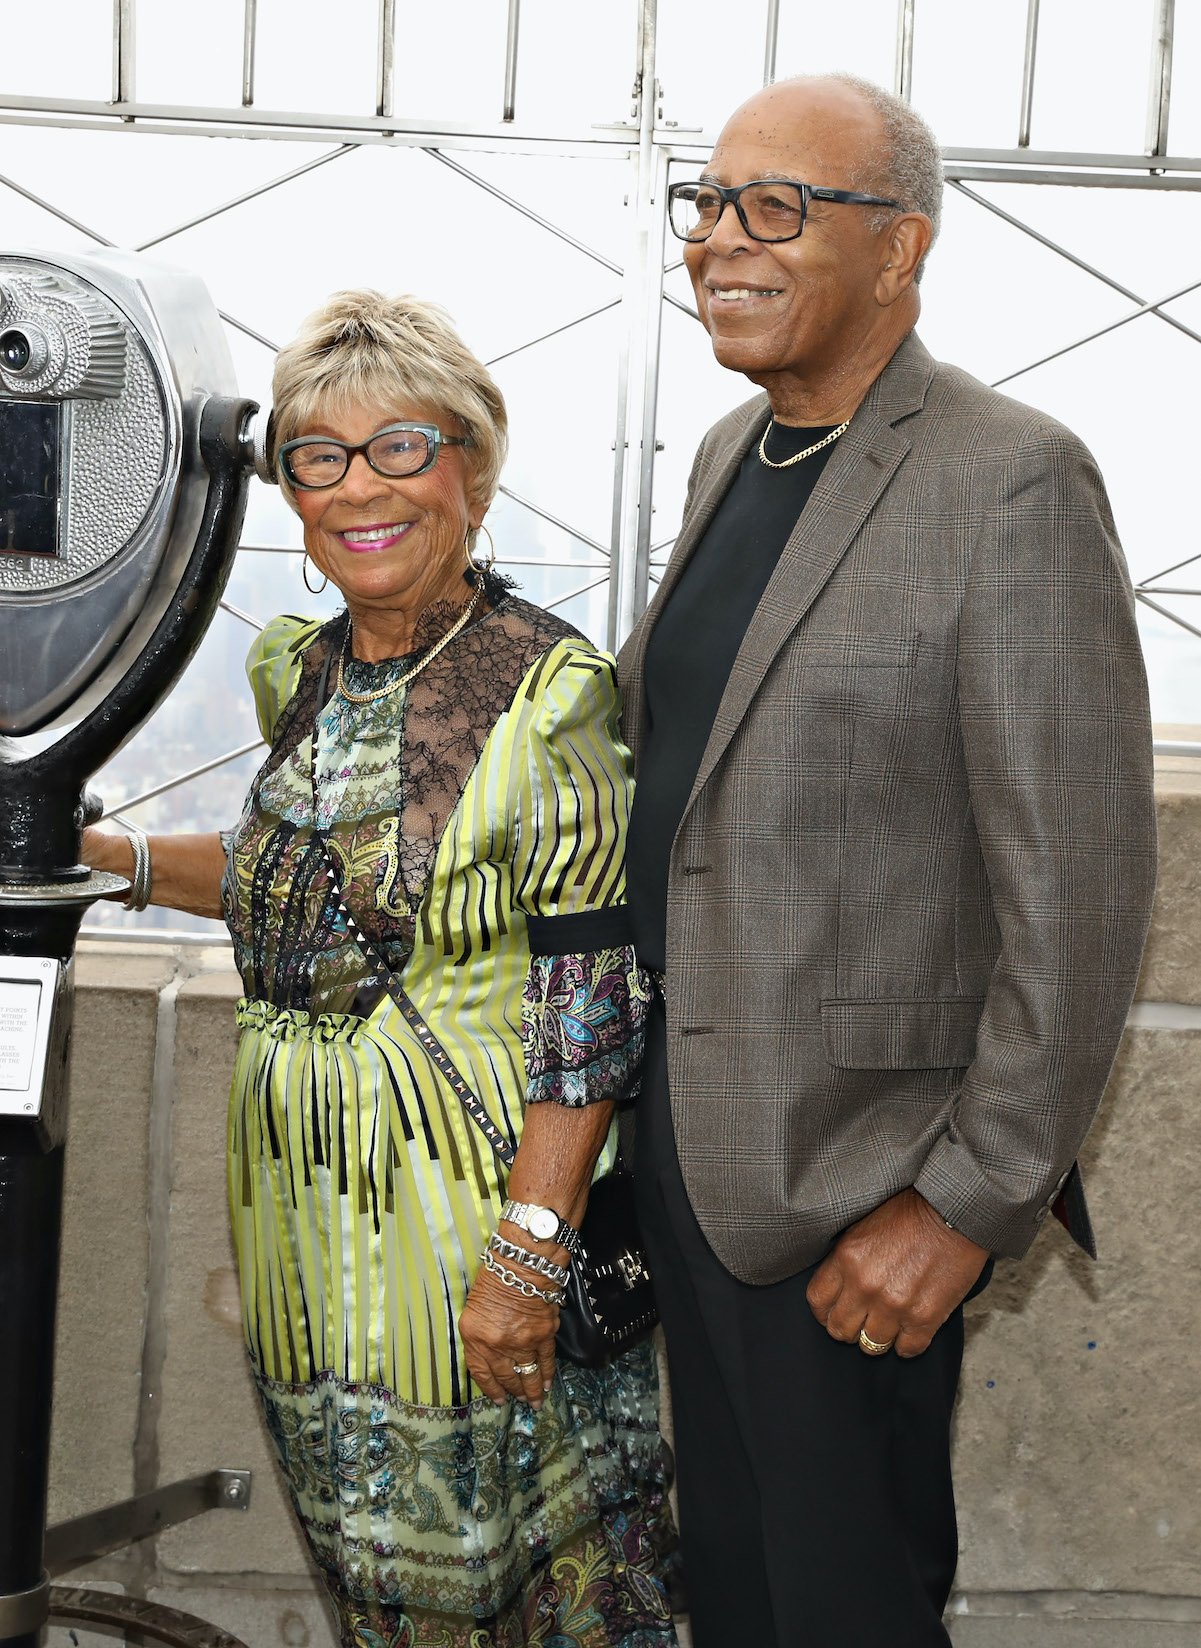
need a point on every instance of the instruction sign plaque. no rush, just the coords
(26, 1001)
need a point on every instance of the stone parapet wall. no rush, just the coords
(1079, 1431)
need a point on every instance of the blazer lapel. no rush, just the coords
(861, 466)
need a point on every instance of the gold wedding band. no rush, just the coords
(524, 1368)
(871, 1347)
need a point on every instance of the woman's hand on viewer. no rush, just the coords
(186, 870)
(106, 850)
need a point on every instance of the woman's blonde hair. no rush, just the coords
(362, 348)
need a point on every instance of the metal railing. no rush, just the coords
(651, 144)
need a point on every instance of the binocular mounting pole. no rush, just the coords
(44, 892)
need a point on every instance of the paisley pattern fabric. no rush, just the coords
(583, 1021)
(484, 1525)
(492, 790)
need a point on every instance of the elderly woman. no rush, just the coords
(445, 801)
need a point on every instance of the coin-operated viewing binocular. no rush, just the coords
(125, 455)
(108, 372)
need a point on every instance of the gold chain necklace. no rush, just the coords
(402, 680)
(797, 456)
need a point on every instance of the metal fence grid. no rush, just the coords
(652, 144)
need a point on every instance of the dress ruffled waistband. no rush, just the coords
(293, 1024)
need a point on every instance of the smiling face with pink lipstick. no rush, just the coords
(392, 545)
(812, 320)
(395, 544)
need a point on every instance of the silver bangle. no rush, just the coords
(510, 1279)
(139, 890)
(532, 1261)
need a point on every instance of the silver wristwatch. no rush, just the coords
(542, 1222)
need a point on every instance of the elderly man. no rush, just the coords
(892, 856)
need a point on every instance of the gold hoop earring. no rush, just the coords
(304, 573)
(473, 566)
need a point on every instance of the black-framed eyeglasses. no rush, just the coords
(770, 209)
(397, 451)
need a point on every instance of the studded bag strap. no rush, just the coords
(438, 1056)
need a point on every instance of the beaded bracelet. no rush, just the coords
(510, 1279)
(532, 1261)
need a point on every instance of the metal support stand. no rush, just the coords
(31, 1183)
(44, 890)
(99, 1533)
(37, 922)
(135, 1619)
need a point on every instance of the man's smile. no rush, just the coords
(742, 294)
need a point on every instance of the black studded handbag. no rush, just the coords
(610, 1302)
(610, 1298)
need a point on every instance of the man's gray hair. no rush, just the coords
(909, 166)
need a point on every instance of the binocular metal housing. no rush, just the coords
(125, 455)
(106, 364)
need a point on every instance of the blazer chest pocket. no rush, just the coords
(936, 1034)
(857, 652)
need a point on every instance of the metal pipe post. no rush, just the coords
(1159, 95)
(386, 59)
(509, 111)
(124, 12)
(31, 1199)
(250, 23)
(31, 1192)
(771, 41)
(904, 69)
(650, 386)
(642, 309)
(1028, 74)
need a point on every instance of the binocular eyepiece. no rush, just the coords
(59, 340)
(19, 352)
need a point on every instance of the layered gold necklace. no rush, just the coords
(460, 622)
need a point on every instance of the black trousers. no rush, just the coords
(816, 1508)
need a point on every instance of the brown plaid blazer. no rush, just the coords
(908, 896)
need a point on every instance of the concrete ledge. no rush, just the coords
(1025, 1632)
(1079, 1424)
(1172, 962)
(105, 1254)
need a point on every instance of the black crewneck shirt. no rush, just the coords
(691, 653)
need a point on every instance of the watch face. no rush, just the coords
(543, 1223)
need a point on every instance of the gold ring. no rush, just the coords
(871, 1347)
(524, 1368)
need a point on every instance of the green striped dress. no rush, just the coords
(490, 792)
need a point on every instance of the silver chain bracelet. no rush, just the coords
(532, 1261)
(510, 1279)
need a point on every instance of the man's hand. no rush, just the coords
(896, 1275)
